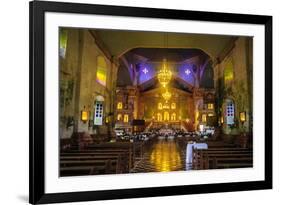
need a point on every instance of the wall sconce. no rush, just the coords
(84, 115)
(221, 119)
(242, 116)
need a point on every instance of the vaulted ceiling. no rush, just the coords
(141, 53)
(119, 42)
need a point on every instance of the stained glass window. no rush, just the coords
(126, 118)
(159, 117)
(173, 117)
(101, 70)
(119, 117)
(98, 116)
(63, 42)
(228, 72)
(210, 106)
(230, 112)
(119, 105)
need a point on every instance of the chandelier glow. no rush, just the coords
(167, 95)
(166, 106)
(164, 75)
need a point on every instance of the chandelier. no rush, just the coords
(167, 95)
(164, 75)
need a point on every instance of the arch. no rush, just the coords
(229, 111)
(119, 105)
(166, 116)
(99, 98)
(160, 107)
(101, 70)
(159, 117)
(126, 118)
(119, 117)
(98, 110)
(174, 117)
(207, 78)
(173, 105)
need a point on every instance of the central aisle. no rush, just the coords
(163, 156)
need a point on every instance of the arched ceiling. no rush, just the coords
(119, 42)
(177, 55)
(139, 66)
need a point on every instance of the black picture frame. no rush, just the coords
(37, 9)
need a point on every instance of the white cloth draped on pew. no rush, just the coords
(189, 153)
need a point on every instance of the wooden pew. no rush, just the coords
(103, 158)
(215, 158)
(78, 168)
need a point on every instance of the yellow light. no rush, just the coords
(196, 115)
(166, 116)
(101, 77)
(167, 95)
(210, 106)
(174, 117)
(126, 118)
(173, 105)
(84, 115)
(101, 70)
(221, 120)
(204, 118)
(166, 157)
(228, 72)
(164, 75)
(242, 116)
(119, 105)
(160, 106)
(159, 117)
(119, 117)
(166, 106)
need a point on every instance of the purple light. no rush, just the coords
(184, 72)
(187, 71)
(145, 71)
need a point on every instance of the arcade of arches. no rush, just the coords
(129, 91)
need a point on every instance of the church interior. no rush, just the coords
(139, 101)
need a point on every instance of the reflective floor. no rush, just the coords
(164, 156)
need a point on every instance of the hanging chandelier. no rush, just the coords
(167, 95)
(164, 75)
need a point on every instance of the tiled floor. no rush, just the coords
(164, 156)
